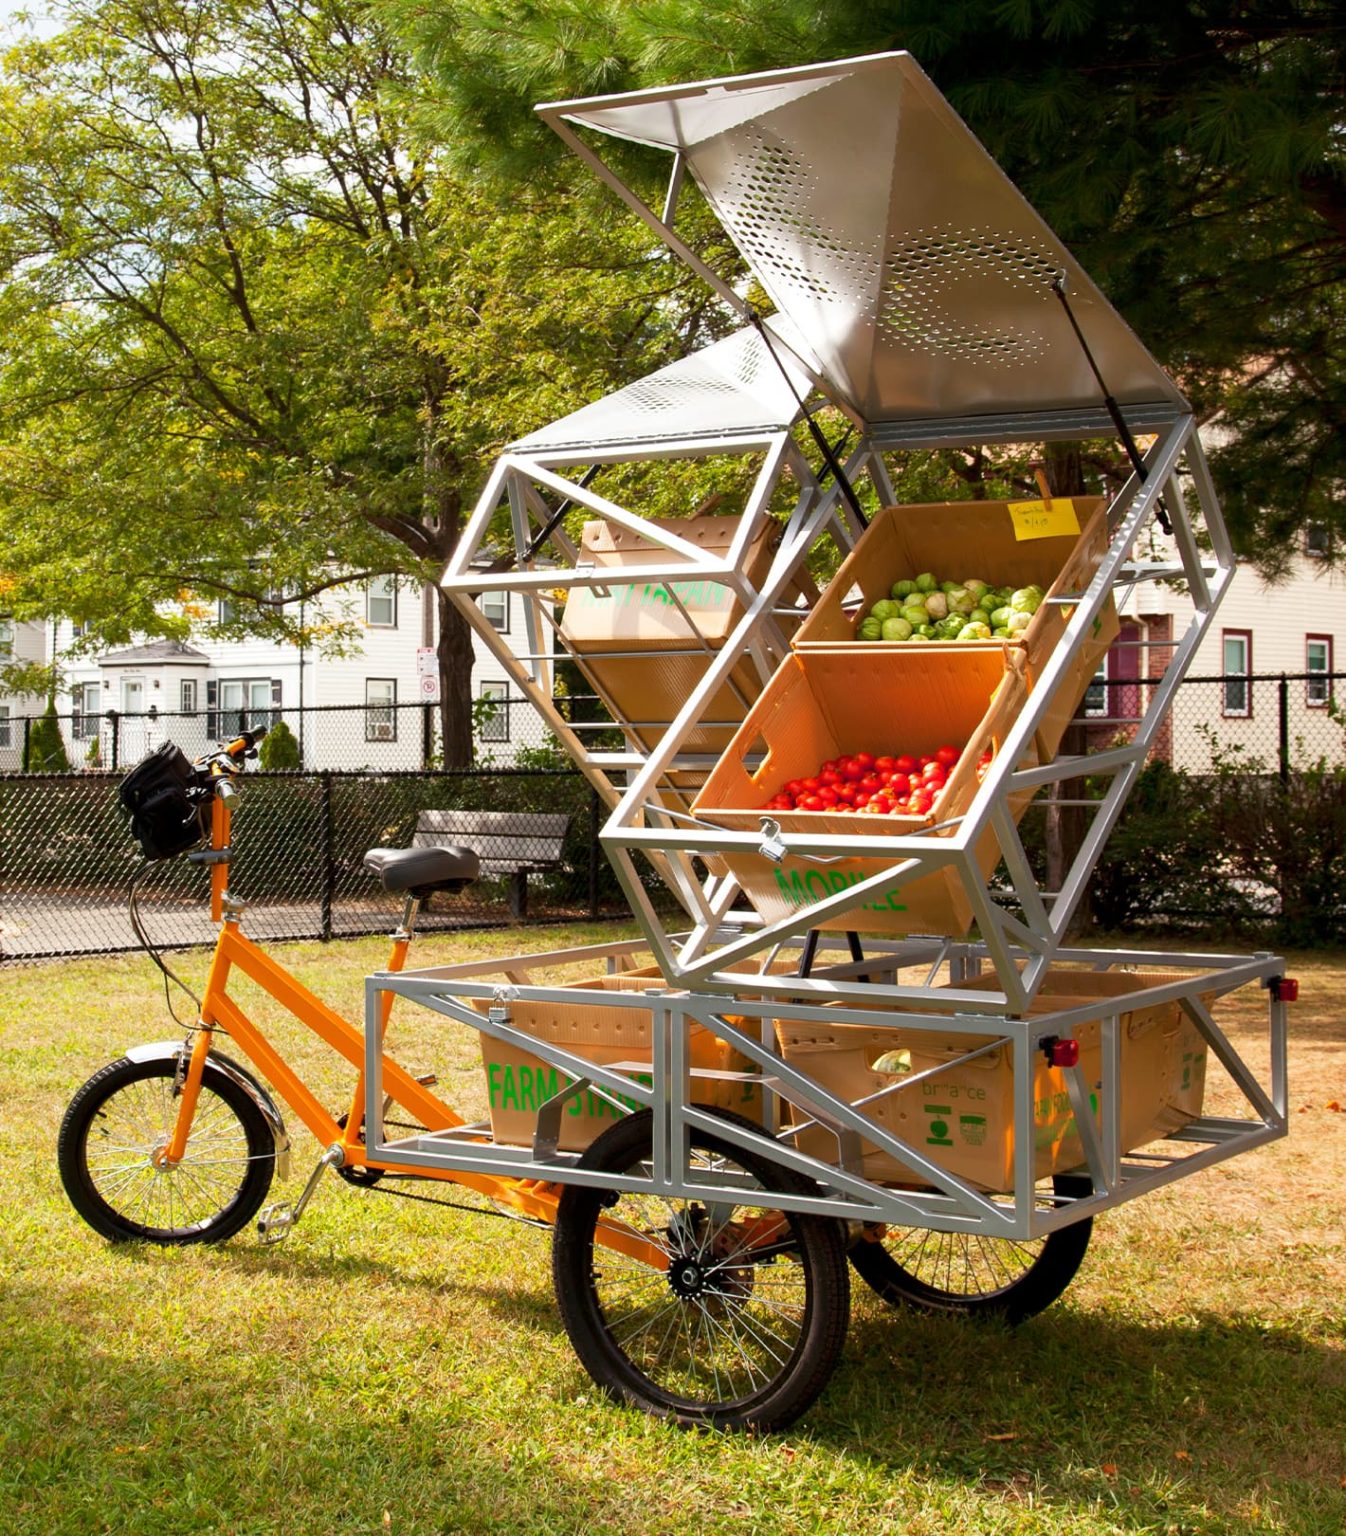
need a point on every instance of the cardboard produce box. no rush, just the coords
(642, 652)
(825, 704)
(1163, 1052)
(962, 1118)
(962, 539)
(518, 1082)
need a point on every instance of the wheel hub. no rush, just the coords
(686, 1278)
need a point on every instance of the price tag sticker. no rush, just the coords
(1043, 519)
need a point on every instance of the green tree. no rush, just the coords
(46, 746)
(279, 750)
(1192, 153)
(256, 343)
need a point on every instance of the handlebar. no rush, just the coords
(229, 759)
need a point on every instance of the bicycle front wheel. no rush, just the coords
(110, 1156)
(729, 1313)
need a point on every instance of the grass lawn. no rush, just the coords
(397, 1368)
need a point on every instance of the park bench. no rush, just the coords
(510, 844)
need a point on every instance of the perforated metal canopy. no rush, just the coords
(731, 389)
(916, 273)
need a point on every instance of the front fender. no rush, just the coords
(171, 1050)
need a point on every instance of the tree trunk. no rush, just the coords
(1067, 825)
(455, 685)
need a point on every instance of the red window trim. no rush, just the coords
(1247, 636)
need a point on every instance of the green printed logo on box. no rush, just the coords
(972, 1128)
(938, 1127)
(802, 890)
(523, 1087)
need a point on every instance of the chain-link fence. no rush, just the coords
(299, 839)
(1236, 823)
(1277, 723)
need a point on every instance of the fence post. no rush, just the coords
(115, 720)
(328, 857)
(27, 740)
(1285, 728)
(593, 851)
(427, 733)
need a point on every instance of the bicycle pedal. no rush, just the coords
(427, 1079)
(275, 1222)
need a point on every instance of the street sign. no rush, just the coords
(427, 674)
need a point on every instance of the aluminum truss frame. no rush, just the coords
(944, 1202)
(822, 264)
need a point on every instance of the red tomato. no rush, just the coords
(865, 759)
(921, 803)
(935, 771)
(872, 782)
(924, 762)
(905, 764)
(846, 793)
(915, 781)
(812, 803)
(793, 787)
(852, 770)
(876, 808)
(884, 764)
(948, 755)
(862, 799)
(829, 776)
(810, 786)
(830, 766)
(827, 795)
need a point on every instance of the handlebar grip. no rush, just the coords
(255, 735)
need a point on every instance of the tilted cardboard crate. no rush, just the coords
(518, 1082)
(643, 652)
(964, 539)
(962, 1117)
(825, 704)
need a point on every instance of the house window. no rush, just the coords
(1317, 544)
(227, 610)
(495, 608)
(380, 709)
(493, 712)
(86, 700)
(187, 696)
(236, 704)
(1318, 664)
(6, 731)
(381, 602)
(1237, 657)
(6, 637)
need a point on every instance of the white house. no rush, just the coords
(363, 710)
(1295, 628)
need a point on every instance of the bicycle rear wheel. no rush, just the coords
(109, 1150)
(964, 1272)
(735, 1312)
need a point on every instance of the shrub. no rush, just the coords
(279, 751)
(46, 747)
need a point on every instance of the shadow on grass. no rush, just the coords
(1186, 1425)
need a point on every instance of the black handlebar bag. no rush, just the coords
(163, 793)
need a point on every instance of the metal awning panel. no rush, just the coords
(732, 388)
(917, 273)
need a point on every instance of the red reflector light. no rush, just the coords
(1286, 989)
(1065, 1053)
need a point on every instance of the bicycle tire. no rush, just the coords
(117, 1122)
(738, 1345)
(973, 1275)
